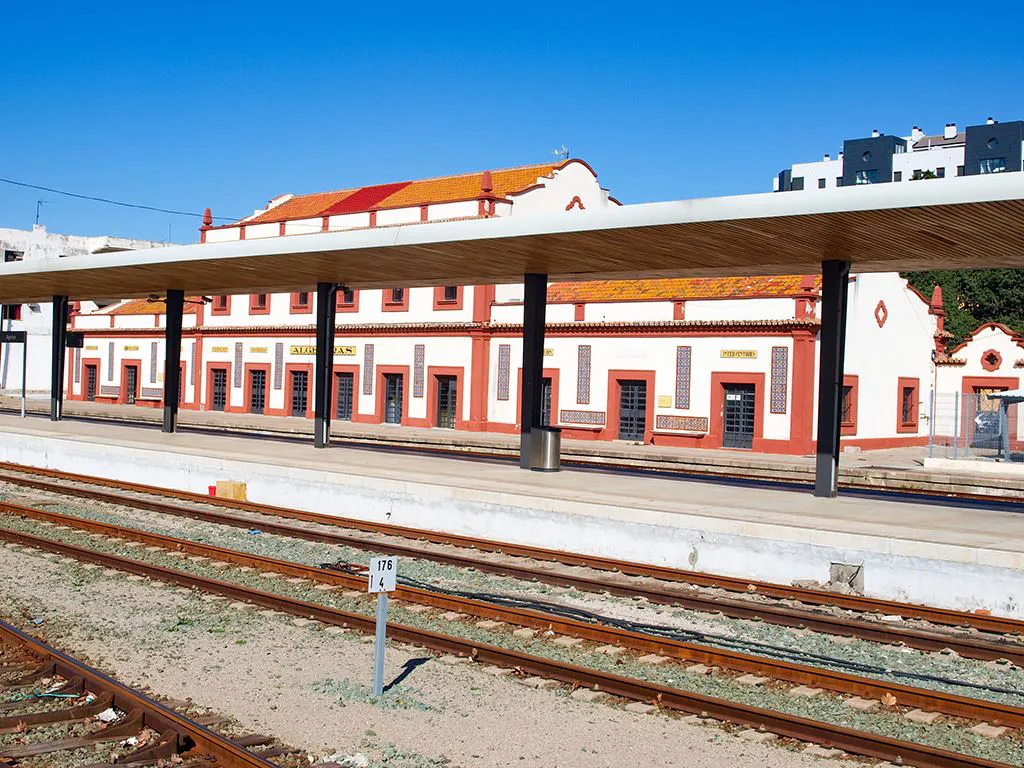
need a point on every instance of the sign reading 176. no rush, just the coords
(383, 571)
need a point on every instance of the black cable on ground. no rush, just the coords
(720, 641)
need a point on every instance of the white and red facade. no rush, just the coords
(693, 348)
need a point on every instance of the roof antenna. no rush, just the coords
(562, 152)
(39, 204)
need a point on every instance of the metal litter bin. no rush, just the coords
(545, 449)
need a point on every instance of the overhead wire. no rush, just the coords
(112, 202)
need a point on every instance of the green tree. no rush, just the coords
(973, 297)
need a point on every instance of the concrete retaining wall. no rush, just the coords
(958, 577)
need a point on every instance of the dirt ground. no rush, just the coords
(308, 685)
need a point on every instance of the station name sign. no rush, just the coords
(310, 349)
(745, 354)
(13, 337)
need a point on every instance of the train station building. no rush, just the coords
(693, 362)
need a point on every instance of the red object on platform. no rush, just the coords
(212, 489)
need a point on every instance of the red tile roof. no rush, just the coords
(148, 307)
(681, 288)
(443, 189)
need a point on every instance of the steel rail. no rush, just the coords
(971, 647)
(802, 674)
(790, 726)
(155, 715)
(809, 596)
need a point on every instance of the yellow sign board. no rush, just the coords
(664, 401)
(257, 350)
(218, 349)
(310, 349)
(549, 352)
(746, 354)
(131, 347)
(91, 347)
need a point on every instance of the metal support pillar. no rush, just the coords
(172, 358)
(535, 301)
(835, 279)
(325, 319)
(59, 342)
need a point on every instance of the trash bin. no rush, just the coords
(545, 449)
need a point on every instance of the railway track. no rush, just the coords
(794, 673)
(665, 697)
(160, 734)
(803, 611)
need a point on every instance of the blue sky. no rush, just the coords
(226, 105)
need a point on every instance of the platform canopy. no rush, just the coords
(966, 222)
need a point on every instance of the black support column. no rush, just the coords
(835, 280)
(57, 355)
(172, 358)
(325, 318)
(535, 302)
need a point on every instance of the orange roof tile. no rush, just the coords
(681, 288)
(148, 307)
(442, 189)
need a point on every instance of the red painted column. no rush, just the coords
(480, 358)
(801, 427)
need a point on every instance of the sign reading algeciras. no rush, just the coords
(745, 354)
(310, 349)
(218, 349)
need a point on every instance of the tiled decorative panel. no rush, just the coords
(686, 423)
(504, 361)
(192, 371)
(151, 393)
(367, 369)
(238, 364)
(780, 377)
(683, 357)
(77, 364)
(279, 365)
(583, 375)
(107, 390)
(419, 354)
(110, 361)
(153, 357)
(589, 418)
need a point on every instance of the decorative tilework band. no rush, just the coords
(419, 354)
(110, 361)
(780, 379)
(504, 361)
(279, 365)
(153, 355)
(589, 418)
(367, 369)
(684, 357)
(685, 423)
(238, 365)
(195, 360)
(583, 355)
(78, 365)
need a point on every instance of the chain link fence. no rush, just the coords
(975, 426)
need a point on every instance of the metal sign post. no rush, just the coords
(18, 337)
(383, 573)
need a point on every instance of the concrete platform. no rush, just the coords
(952, 557)
(893, 469)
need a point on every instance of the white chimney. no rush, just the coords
(841, 155)
(874, 133)
(826, 158)
(916, 133)
(950, 131)
(991, 121)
